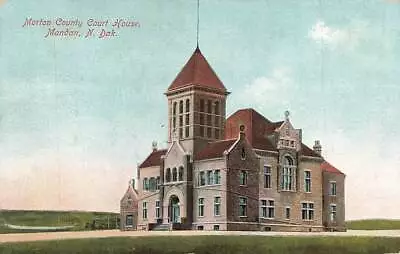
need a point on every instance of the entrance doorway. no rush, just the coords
(175, 210)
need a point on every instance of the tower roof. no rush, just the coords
(197, 71)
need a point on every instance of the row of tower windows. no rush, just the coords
(176, 175)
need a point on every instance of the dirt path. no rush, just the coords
(28, 237)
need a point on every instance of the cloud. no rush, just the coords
(347, 37)
(266, 90)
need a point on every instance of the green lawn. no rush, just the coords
(374, 224)
(212, 244)
(80, 220)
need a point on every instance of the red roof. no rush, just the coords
(154, 159)
(197, 71)
(215, 149)
(327, 167)
(257, 128)
(306, 151)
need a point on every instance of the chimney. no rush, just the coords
(242, 133)
(154, 146)
(133, 183)
(317, 147)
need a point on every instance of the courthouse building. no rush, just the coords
(244, 172)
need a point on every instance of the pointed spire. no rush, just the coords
(197, 71)
(198, 23)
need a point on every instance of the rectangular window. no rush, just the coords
(209, 132)
(216, 133)
(129, 220)
(270, 209)
(333, 212)
(307, 211)
(180, 121)
(287, 213)
(242, 206)
(217, 206)
(158, 209)
(209, 120)
(201, 207)
(263, 208)
(158, 182)
(307, 181)
(243, 177)
(202, 181)
(201, 131)
(186, 132)
(287, 179)
(210, 177)
(217, 176)
(267, 176)
(267, 209)
(145, 210)
(332, 190)
(216, 227)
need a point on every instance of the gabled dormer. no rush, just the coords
(287, 136)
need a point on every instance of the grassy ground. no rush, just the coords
(212, 244)
(80, 220)
(378, 224)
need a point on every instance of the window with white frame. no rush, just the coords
(217, 176)
(332, 212)
(158, 209)
(267, 176)
(217, 206)
(287, 213)
(307, 211)
(209, 177)
(270, 209)
(267, 208)
(332, 188)
(243, 177)
(202, 178)
(158, 182)
(242, 206)
(307, 181)
(144, 206)
(288, 179)
(201, 207)
(263, 208)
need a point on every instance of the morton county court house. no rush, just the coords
(243, 172)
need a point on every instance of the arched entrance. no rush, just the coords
(174, 210)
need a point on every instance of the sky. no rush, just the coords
(78, 114)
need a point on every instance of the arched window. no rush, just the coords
(174, 175)
(180, 107)
(174, 109)
(180, 173)
(187, 105)
(216, 107)
(288, 174)
(168, 175)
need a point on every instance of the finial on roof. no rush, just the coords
(154, 145)
(198, 22)
(287, 114)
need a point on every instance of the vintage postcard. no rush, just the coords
(199, 126)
